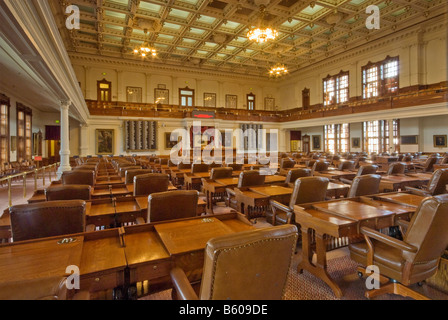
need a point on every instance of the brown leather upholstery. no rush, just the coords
(287, 163)
(396, 168)
(248, 265)
(131, 173)
(320, 166)
(428, 165)
(306, 190)
(365, 185)
(199, 167)
(436, 185)
(172, 205)
(221, 173)
(122, 170)
(250, 178)
(235, 166)
(68, 192)
(416, 257)
(347, 165)
(47, 219)
(182, 166)
(294, 174)
(146, 184)
(362, 170)
(78, 177)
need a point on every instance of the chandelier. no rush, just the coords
(145, 49)
(262, 33)
(278, 70)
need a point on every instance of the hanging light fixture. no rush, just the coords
(145, 49)
(262, 33)
(278, 70)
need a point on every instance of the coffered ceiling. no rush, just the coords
(212, 34)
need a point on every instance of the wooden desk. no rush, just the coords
(339, 219)
(153, 249)
(336, 174)
(109, 191)
(395, 182)
(213, 190)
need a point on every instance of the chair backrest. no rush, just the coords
(365, 185)
(406, 158)
(367, 169)
(68, 192)
(309, 189)
(47, 219)
(347, 165)
(294, 174)
(122, 171)
(221, 173)
(427, 232)
(287, 163)
(183, 166)
(85, 167)
(444, 160)
(429, 164)
(235, 166)
(437, 183)
(320, 166)
(396, 168)
(146, 184)
(199, 167)
(250, 178)
(249, 265)
(78, 177)
(131, 173)
(171, 205)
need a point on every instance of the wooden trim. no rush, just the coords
(180, 97)
(98, 83)
(247, 101)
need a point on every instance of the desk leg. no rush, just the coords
(320, 268)
(209, 202)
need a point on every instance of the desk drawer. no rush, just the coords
(103, 281)
(150, 271)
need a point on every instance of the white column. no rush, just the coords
(83, 140)
(391, 136)
(65, 143)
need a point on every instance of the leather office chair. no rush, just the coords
(199, 167)
(365, 185)
(320, 166)
(68, 192)
(235, 166)
(362, 170)
(221, 173)
(306, 190)
(295, 174)
(171, 205)
(346, 165)
(428, 166)
(413, 259)
(51, 288)
(248, 265)
(146, 184)
(122, 170)
(48, 219)
(131, 173)
(78, 177)
(436, 185)
(285, 165)
(247, 178)
(396, 168)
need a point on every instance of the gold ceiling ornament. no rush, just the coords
(278, 70)
(262, 33)
(145, 49)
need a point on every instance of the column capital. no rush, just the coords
(65, 104)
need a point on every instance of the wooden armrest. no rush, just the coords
(418, 192)
(390, 241)
(140, 220)
(90, 228)
(182, 285)
(346, 181)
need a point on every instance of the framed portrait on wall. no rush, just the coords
(440, 141)
(316, 142)
(104, 139)
(210, 100)
(356, 142)
(231, 101)
(169, 144)
(161, 96)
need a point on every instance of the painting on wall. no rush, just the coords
(356, 142)
(440, 141)
(316, 142)
(169, 144)
(104, 141)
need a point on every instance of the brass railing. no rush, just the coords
(37, 171)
